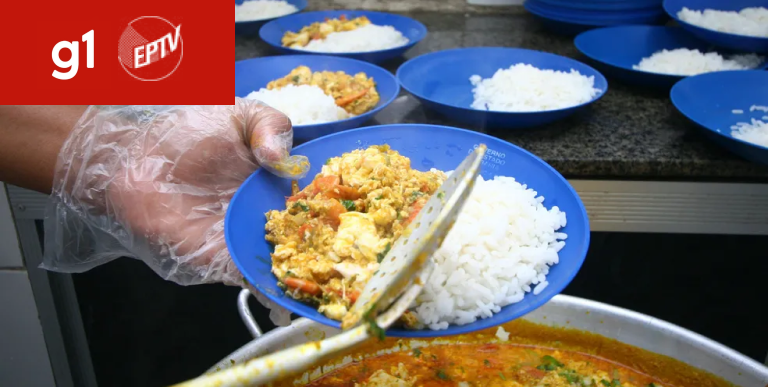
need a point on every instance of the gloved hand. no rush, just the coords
(154, 182)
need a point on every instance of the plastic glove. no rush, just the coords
(154, 182)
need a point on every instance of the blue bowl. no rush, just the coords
(709, 100)
(248, 28)
(273, 32)
(604, 5)
(440, 80)
(254, 74)
(720, 39)
(614, 50)
(570, 26)
(591, 15)
(428, 147)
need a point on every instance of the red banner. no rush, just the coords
(117, 53)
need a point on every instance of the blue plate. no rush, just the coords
(590, 15)
(441, 81)
(273, 32)
(604, 5)
(248, 28)
(428, 147)
(569, 26)
(709, 100)
(254, 74)
(616, 49)
(721, 39)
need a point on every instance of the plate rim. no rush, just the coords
(458, 329)
(343, 59)
(599, 76)
(675, 102)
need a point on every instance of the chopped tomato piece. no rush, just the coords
(334, 210)
(343, 192)
(343, 101)
(303, 229)
(297, 197)
(414, 212)
(352, 295)
(305, 286)
(534, 372)
(325, 183)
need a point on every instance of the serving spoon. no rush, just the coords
(386, 296)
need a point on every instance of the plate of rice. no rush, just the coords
(364, 35)
(250, 15)
(520, 239)
(320, 94)
(501, 87)
(739, 25)
(731, 107)
(653, 56)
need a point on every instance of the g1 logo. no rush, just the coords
(73, 63)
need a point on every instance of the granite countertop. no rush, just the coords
(628, 134)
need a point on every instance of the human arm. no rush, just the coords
(31, 139)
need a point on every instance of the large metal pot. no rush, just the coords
(629, 327)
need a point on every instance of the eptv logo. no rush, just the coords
(150, 48)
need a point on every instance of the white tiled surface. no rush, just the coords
(10, 257)
(23, 355)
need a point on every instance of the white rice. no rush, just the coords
(524, 88)
(367, 38)
(755, 132)
(682, 61)
(303, 104)
(749, 21)
(262, 9)
(500, 248)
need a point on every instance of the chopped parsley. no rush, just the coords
(442, 375)
(462, 369)
(380, 256)
(570, 376)
(487, 363)
(328, 162)
(653, 385)
(605, 383)
(295, 79)
(301, 205)
(441, 195)
(378, 197)
(349, 205)
(416, 352)
(615, 383)
(549, 363)
(416, 194)
(232, 361)
(502, 376)
(434, 357)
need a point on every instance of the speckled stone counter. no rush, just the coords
(628, 134)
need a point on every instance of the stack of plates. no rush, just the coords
(576, 16)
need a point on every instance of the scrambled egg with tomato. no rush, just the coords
(356, 94)
(317, 31)
(334, 232)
